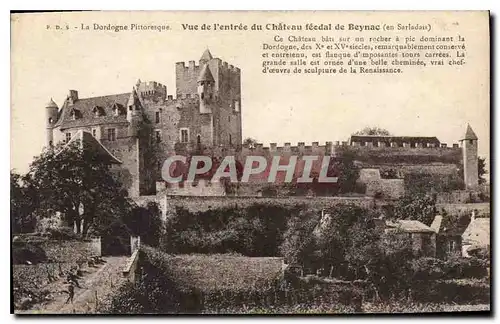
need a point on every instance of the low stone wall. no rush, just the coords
(130, 269)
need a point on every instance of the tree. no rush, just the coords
(419, 207)
(146, 222)
(22, 205)
(373, 130)
(347, 172)
(77, 183)
(251, 142)
(481, 169)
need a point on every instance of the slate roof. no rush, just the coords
(207, 56)
(85, 111)
(469, 134)
(89, 142)
(410, 226)
(478, 232)
(51, 104)
(205, 74)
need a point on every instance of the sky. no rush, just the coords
(440, 102)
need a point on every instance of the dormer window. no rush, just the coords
(75, 114)
(98, 111)
(117, 109)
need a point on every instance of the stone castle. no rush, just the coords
(139, 129)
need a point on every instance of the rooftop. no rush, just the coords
(85, 111)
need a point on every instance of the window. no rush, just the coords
(229, 118)
(237, 105)
(202, 96)
(198, 139)
(68, 137)
(157, 117)
(94, 132)
(230, 139)
(184, 135)
(158, 136)
(111, 134)
(452, 246)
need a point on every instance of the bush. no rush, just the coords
(22, 253)
(254, 230)
(63, 234)
(427, 269)
(465, 268)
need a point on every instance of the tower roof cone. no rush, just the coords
(51, 104)
(207, 56)
(469, 134)
(205, 74)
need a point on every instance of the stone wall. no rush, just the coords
(196, 188)
(196, 204)
(381, 188)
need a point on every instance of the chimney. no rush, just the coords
(73, 96)
(436, 223)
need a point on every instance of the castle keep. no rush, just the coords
(141, 128)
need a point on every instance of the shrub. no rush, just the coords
(22, 253)
(427, 269)
(465, 268)
(62, 234)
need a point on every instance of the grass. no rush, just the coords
(224, 271)
(32, 282)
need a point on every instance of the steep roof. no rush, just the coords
(133, 98)
(51, 104)
(87, 116)
(205, 74)
(469, 134)
(478, 232)
(207, 56)
(410, 226)
(436, 223)
(89, 142)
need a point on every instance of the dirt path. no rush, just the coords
(98, 282)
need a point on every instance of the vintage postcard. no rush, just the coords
(261, 162)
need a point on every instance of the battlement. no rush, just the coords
(190, 65)
(331, 146)
(182, 98)
(225, 66)
(151, 89)
(301, 147)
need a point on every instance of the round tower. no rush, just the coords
(206, 84)
(470, 159)
(51, 111)
(134, 114)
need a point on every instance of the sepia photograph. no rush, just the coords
(260, 162)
